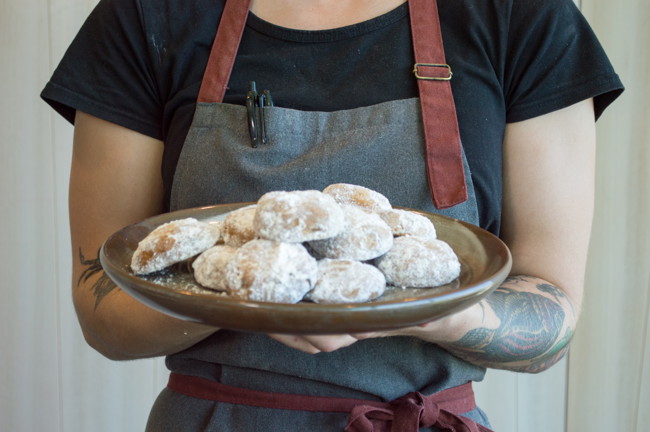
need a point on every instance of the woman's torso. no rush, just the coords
(340, 69)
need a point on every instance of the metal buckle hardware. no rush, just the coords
(432, 78)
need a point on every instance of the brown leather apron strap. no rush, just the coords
(406, 414)
(444, 154)
(445, 173)
(223, 52)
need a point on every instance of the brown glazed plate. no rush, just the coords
(485, 263)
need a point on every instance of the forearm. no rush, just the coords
(122, 328)
(524, 325)
(115, 181)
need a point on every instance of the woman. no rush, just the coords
(528, 80)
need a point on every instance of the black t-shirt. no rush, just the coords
(139, 63)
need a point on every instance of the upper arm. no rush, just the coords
(115, 178)
(548, 195)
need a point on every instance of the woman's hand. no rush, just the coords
(315, 344)
(444, 329)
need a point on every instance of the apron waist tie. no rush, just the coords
(405, 414)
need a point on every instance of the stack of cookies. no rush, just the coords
(344, 244)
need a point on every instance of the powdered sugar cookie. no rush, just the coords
(365, 236)
(209, 267)
(171, 243)
(349, 194)
(345, 281)
(265, 270)
(404, 222)
(418, 262)
(238, 226)
(297, 216)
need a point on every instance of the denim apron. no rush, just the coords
(381, 147)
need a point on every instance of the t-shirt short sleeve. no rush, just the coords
(554, 60)
(109, 71)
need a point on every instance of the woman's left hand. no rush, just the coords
(314, 344)
(441, 330)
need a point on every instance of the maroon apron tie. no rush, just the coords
(445, 172)
(406, 414)
(414, 411)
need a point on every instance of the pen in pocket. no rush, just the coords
(255, 105)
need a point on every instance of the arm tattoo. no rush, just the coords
(533, 332)
(103, 285)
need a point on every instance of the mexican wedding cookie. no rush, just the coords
(265, 270)
(349, 194)
(171, 243)
(297, 216)
(404, 222)
(345, 281)
(238, 226)
(209, 267)
(418, 262)
(364, 237)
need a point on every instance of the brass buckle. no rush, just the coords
(436, 65)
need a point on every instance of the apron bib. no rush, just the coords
(380, 147)
(383, 147)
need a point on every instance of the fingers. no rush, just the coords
(315, 344)
(296, 342)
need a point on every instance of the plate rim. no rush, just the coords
(147, 291)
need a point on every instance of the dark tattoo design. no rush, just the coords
(532, 332)
(541, 366)
(103, 285)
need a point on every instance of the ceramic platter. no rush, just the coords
(485, 263)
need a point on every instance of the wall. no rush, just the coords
(52, 381)
(609, 369)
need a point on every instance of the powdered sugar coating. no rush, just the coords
(345, 281)
(360, 196)
(172, 242)
(265, 270)
(238, 226)
(365, 236)
(297, 216)
(209, 267)
(418, 262)
(404, 222)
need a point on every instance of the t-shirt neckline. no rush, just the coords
(328, 35)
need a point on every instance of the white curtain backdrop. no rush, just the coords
(51, 381)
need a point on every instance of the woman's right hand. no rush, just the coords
(115, 181)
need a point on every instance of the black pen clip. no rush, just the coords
(251, 110)
(266, 99)
(255, 105)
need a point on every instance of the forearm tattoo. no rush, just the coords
(103, 285)
(533, 332)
